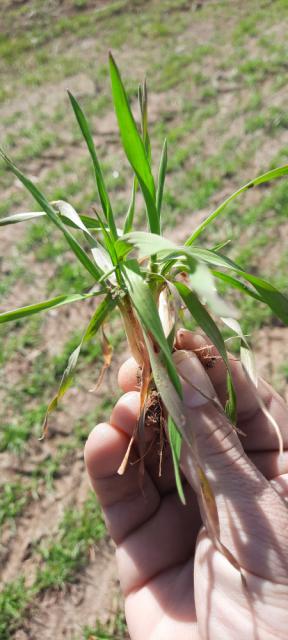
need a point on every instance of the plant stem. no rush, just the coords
(133, 331)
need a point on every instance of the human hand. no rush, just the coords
(177, 585)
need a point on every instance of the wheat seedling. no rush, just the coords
(152, 281)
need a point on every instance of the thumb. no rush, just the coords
(252, 516)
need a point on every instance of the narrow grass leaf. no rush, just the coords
(148, 244)
(143, 102)
(66, 210)
(203, 284)
(146, 137)
(246, 353)
(103, 194)
(161, 177)
(249, 367)
(145, 306)
(101, 257)
(107, 352)
(269, 294)
(237, 284)
(265, 177)
(40, 198)
(221, 245)
(107, 260)
(206, 322)
(107, 240)
(64, 385)
(209, 256)
(21, 217)
(276, 300)
(89, 222)
(231, 402)
(128, 224)
(102, 312)
(58, 301)
(133, 145)
(175, 441)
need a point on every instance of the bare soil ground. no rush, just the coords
(94, 595)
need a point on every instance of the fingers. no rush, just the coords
(169, 598)
(128, 376)
(226, 610)
(126, 505)
(247, 405)
(270, 463)
(104, 451)
(152, 534)
(259, 432)
(165, 540)
(158, 459)
(252, 516)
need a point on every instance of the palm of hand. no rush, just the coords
(161, 555)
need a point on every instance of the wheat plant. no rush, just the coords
(153, 282)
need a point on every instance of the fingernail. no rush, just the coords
(197, 386)
(182, 333)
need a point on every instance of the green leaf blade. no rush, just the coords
(148, 244)
(103, 310)
(128, 223)
(103, 194)
(14, 218)
(206, 322)
(236, 284)
(161, 177)
(56, 219)
(276, 300)
(175, 441)
(58, 301)
(269, 294)
(265, 177)
(21, 217)
(133, 145)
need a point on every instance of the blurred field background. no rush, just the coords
(217, 78)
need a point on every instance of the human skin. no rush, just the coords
(177, 585)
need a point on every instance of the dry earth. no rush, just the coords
(95, 593)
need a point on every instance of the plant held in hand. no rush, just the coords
(152, 281)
